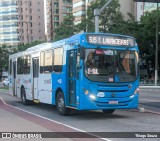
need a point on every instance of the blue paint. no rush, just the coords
(83, 101)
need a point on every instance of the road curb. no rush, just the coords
(150, 87)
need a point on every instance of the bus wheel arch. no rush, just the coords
(60, 103)
(23, 96)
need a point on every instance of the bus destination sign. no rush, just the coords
(110, 40)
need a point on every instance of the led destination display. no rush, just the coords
(110, 40)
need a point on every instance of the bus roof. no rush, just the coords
(78, 38)
(39, 47)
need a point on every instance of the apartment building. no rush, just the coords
(126, 6)
(31, 21)
(79, 10)
(39, 18)
(60, 9)
(8, 23)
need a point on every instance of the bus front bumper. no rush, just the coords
(94, 103)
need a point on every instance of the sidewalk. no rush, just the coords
(16, 122)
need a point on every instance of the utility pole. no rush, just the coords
(97, 13)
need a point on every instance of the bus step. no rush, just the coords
(36, 101)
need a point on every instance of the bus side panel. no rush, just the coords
(18, 86)
(45, 88)
(59, 82)
(24, 81)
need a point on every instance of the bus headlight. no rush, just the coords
(92, 97)
(136, 91)
(100, 94)
(131, 96)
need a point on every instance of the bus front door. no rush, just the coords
(72, 57)
(35, 78)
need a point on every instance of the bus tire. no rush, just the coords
(23, 96)
(110, 111)
(60, 104)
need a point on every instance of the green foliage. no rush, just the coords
(146, 34)
(66, 28)
(5, 51)
(109, 19)
(22, 47)
(4, 55)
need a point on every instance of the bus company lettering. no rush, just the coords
(47, 81)
(27, 81)
(108, 41)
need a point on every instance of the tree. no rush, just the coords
(4, 55)
(66, 28)
(109, 19)
(146, 34)
(5, 51)
(22, 47)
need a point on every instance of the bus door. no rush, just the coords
(35, 77)
(14, 78)
(72, 59)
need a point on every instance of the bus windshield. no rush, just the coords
(108, 65)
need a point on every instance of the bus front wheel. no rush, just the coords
(108, 111)
(60, 104)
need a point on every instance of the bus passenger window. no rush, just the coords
(58, 59)
(26, 68)
(20, 65)
(48, 62)
(42, 62)
(10, 66)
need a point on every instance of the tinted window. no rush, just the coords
(23, 65)
(26, 68)
(20, 65)
(58, 59)
(10, 66)
(42, 62)
(48, 61)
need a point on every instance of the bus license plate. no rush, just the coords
(113, 102)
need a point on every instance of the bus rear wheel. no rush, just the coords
(60, 105)
(23, 96)
(111, 111)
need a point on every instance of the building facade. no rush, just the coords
(31, 21)
(8, 23)
(60, 9)
(79, 10)
(39, 18)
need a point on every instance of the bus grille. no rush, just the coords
(111, 88)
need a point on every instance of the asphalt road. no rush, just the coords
(96, 121)
(150, 99)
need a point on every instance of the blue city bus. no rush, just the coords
(89, 71)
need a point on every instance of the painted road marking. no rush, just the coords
(55, 121)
